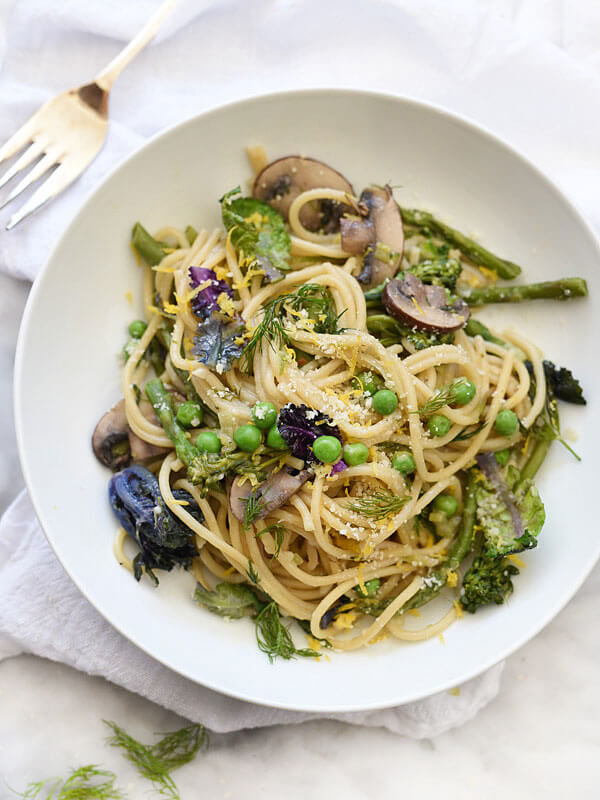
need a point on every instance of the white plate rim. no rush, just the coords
(560, 598)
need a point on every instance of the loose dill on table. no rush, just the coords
(156, 761)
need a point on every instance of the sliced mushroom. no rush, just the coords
(423, 307)
(115, 444)
(140, 449)
(272, 494)
(281, 181)
(381, 224)
(358, 233)
(109, 440)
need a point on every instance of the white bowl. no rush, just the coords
(67, 375)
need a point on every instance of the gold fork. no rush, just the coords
(68, 132)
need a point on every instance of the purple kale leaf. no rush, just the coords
(339, 466)
(301, 425)
(217, 344)
(205, 302)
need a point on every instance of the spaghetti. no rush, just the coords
(356, 545)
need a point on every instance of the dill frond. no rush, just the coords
(252, 573)
(85, 783)
(156, 761)
(442, 397)
(312, 298)
(378, 505)
(278, 532)
(274, 638)
(254, 506)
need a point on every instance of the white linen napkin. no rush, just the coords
(525, 68)
(43, 612)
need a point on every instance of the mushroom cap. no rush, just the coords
(357, 234)
(274, 492)
(112, 429)
(382, 224)
(423, 307)
(140, 449)
(281, 181)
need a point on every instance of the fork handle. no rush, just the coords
(107, 76)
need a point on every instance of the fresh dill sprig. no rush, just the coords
(86, 783)
(390, 447)
(378, 505)
(470, 431)
(156, 761)
(314, 299)
(278, 532)
(444, 396)
(254, 504)
(252, 573)
(274, 638)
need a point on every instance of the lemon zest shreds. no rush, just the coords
(345, 621)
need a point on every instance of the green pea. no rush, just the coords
(247, 437)
(275, 439)
(385, 402)
(264, 415)
(438, 425)
(446, 504)
(369, 382)
(355, 454)
(464, 392)
(137, 328)
(506, 422)
(502, 456)
(372, 587)
(327, 449)
(190, 414)
(404, 463)
(208, 442)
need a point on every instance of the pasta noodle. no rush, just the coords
(321, 555)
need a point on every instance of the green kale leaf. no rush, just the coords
(257, 232)
(232, 600)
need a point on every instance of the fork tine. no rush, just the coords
(33, 151)
(19, 139)
(48, 161)
(59, 180)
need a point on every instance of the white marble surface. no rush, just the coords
(539, 738)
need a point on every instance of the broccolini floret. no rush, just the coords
(488, 581)
(438, 272)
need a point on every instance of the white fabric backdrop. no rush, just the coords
(527, 69)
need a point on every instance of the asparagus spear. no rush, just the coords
(151, 250)
(563, 289)
(206, 468)
(163, 408)
(475, 327)
(425, 221)
(458, 552)
(437, 580)
(191, 234)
